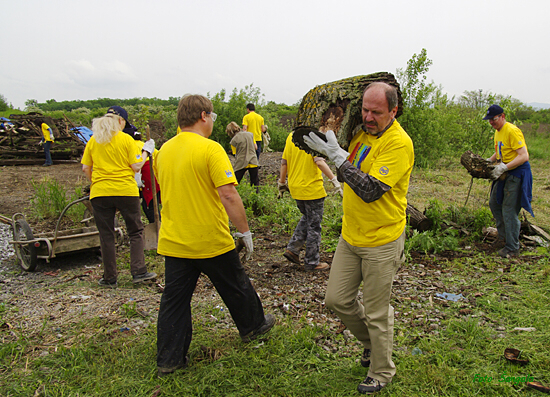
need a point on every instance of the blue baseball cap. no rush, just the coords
(494, 110)
(119, 112)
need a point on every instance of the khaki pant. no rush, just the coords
(372, 321)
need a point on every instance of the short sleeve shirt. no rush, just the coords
(254, 122)
(195, 225)
(389, 159)
(507, 141)
(111, 163)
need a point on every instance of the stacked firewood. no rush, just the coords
(20, 140)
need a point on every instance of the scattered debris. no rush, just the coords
(513, 355)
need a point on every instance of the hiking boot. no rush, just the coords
(268, 324)
(107, 283)
(506, 253)
(498, 243)
(319, 267)
(163, 371)
(370, 386)
(139, 278)
(292, 257)
(365, 358)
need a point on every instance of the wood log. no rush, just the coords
(417, 220)
(476, 165)
(337, 105)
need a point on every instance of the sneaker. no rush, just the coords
(506, 253)
(292, 257)
(107, 283)
(370, 386)
(163, 371)
(139, 278)
(320, 266)
(268, 324)
(365, 358)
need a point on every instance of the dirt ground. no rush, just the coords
(64, 292)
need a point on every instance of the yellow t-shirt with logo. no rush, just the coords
(254, 122)
(195, 225)
(46, 132)
(305, 179)
(389, 159)
(111, 163)
(507, 141)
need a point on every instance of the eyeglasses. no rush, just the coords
(213, 116)
(495, 118)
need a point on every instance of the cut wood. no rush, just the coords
(477, 166)
(417, 220)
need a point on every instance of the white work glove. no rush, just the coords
(139, 181)
(246, 239)
(499, 170)
(149, 146)
(283, 187)
(337, 186)
(331, 149)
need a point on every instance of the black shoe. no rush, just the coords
(292, 257)
(107, 283)
(163, 371)
(139, 278)
(46, 165)
(268, 324)
(365, 358)
(370, 385)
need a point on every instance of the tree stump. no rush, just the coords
(336, 106)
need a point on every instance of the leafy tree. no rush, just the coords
(3, 103)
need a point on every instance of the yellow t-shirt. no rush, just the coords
(389, 159)
(195, 225)
(46, 132)
(112, 174)
(507, 141)
(254, 122)
(305, 179)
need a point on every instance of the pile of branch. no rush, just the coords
(19, 140)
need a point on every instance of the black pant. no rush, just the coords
(174, 326)
(252, 172)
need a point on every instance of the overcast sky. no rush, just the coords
(68, 50)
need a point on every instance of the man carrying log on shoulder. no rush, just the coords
(512, 186)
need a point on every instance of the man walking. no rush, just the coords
(513, 181)
(371, 247)
(199, 198)
(254, 123)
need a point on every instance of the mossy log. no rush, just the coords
(337, 106)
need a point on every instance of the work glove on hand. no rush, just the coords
(246, 240)
(499, 169)
(139, 181)
(149, 146)
(330, 148)
(283, 187)
(337, 186)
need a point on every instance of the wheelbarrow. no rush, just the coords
(29, 247)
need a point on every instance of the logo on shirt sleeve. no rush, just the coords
(384, 170)
(228, 173)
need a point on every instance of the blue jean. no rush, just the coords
(259, 149)
(506, 213)
(174, 326)
(47, 146)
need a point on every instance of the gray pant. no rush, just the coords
(506, 213)
(104, 215)
(370, 322)
(308, 231)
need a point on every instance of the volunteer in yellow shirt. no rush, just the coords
(305, 183)
(47, 140)
(371, 248)
(110, 160)
(254, 123)
(199, 198)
